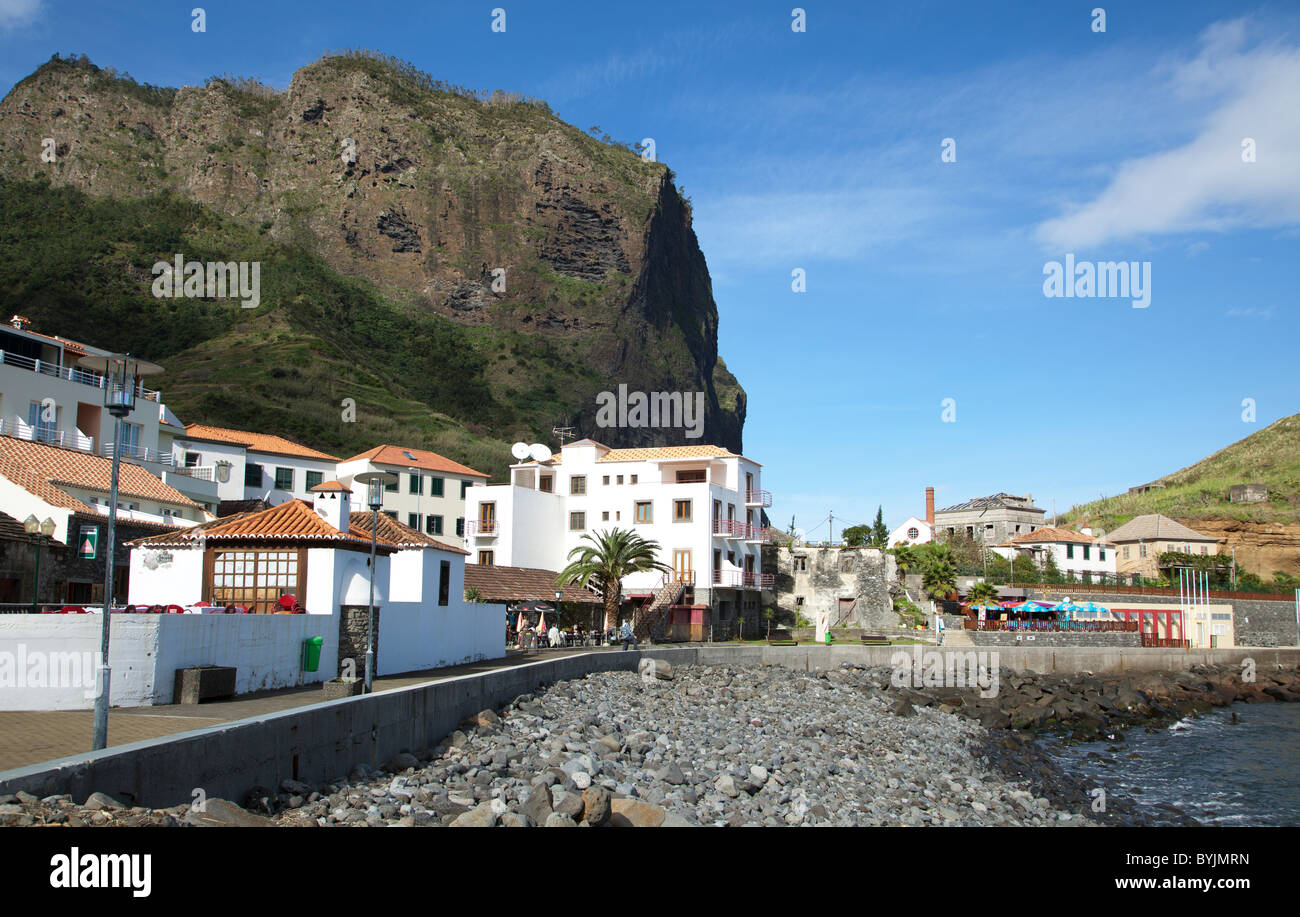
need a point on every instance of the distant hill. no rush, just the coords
(1270, 457)
(468, 269)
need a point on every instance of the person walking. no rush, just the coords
(938, 623)
(627, 636)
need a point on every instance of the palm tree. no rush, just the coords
(939, 576)
(983, 594)
(610, 556)
(905, 558)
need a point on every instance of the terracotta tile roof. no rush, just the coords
(396, 533)
(1155, 527)
(257, 442)
(73, 347)
(403, 457)
(1050, 534)
(44, 471)
(667, 452)
(326, 487)
(521, 584)
(292, 521)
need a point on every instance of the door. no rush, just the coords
(487, 518)
(682, 571)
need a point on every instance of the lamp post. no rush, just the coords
(32, 526)
(375, 482)
(121, 374)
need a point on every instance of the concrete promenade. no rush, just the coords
(300, 737)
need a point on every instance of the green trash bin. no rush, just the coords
(311, 653)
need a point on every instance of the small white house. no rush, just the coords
(1075, 553)
(913, 531)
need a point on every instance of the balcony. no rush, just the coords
(743, 579)
(199, 472)
(758, 498)
(69, 439)
(136, 453)
(480, 529)
(69, 373)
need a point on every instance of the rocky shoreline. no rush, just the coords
(738, 745)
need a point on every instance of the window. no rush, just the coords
(252, 475)
(798, 600)
(1087, 551)
(415, 484)
(284, 479)
(577, 522)
(604, 517)
(390, 513)
(435, 487)
(433, 525)
(578, 485)
(694, 476)
(255, 579)
(1069, 552)
(485, 558)
(1205, 549)
(45, 421)
(191, 459)
(314, 479)
(632, 479)
(1142, 550)
(464, 489)
(413, 520)
(547, 485)
(444, 581)
(801, 563)
(681, 511)
(1101, 553)
(645, 511)
(619, 479)
(129, 438)
(391, 488)
(460, 527)
(913, 533)
(1126, 552)
(605, 480)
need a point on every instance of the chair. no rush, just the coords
(73, 610)
(175, 610)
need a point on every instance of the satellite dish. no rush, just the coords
(519, 451)
(539, 452)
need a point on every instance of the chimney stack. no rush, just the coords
(929, 507)
(333, 503)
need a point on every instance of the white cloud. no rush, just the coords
(1204, 185)
(15, 14)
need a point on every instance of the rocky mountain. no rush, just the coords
(468, 269)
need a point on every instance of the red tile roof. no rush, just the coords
(419, 458)
(257, 442)
(396, 533)
(294, 521)
(1048, 533)
(45, 471)
(521, 584)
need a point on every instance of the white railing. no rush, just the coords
(70, 439)
(70, 373)
(201, 472)
(139, 453)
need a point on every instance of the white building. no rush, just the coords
(913, 531)
(250, 466)
(1075, 553)
(429, 495)
(702, 504)
(318, 552)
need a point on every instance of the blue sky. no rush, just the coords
(821, 151)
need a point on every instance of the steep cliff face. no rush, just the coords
(570, 263)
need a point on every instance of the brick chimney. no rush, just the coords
(929, 506)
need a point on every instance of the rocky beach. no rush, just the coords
(734, 746)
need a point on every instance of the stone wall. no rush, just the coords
(1103, 638)
(353, 629)
(830, 574)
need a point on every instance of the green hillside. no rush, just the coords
(1270, 457)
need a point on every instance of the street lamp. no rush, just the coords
(120, 378)
(375, 482)
(32, 526)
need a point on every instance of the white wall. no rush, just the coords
(178, 581)
(267, 491)
(414, 637)
(146, 650)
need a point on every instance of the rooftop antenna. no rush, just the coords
(563, 433)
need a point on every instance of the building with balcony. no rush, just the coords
(249, 466)
(702, 504)
(429, 495)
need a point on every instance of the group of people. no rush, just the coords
(530, 636)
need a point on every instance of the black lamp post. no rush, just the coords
(374, 481)
(121, 379)
(32, 526)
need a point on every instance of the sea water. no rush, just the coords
(1213, 770)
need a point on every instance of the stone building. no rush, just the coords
(993, 520)
(1248, 493)
(849, 584)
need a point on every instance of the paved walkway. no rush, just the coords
(30, 737)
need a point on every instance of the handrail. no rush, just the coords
(63, 371)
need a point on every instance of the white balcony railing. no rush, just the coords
(70, 373)
(199, 472)
(69, 439)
